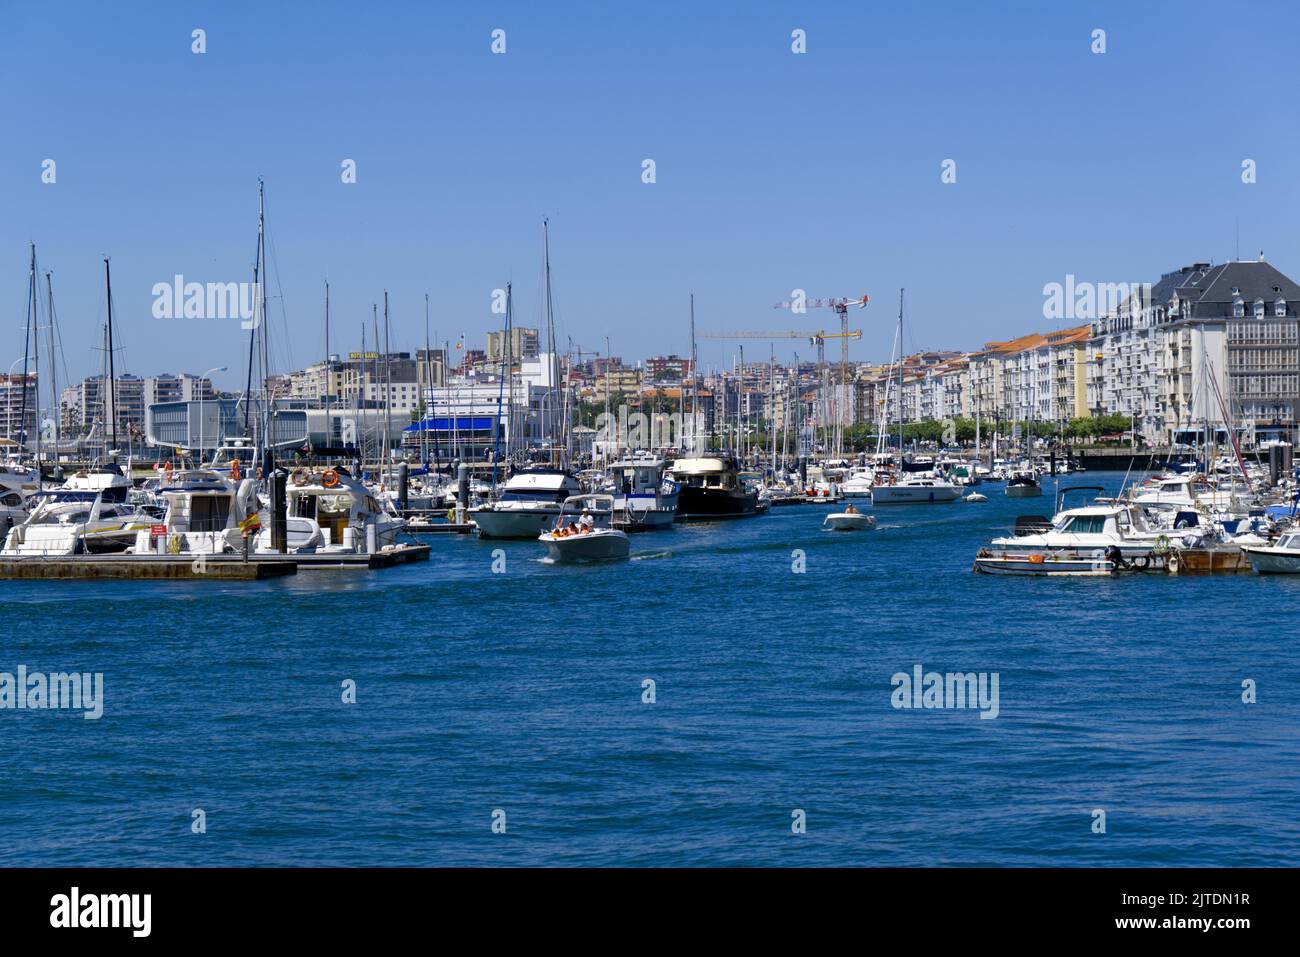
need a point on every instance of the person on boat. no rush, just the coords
(561, 527)
(851, 509)
(588, 523)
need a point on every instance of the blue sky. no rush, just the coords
(775, 171)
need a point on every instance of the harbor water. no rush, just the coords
(493, 687)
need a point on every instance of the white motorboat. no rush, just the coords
(643, 499)
(584, 541)
(74, 522)
(1111, 530)
(1023, 483)
(849, 522)
(859, 483)
(530, 502)
(1055, 563)
(203, 513)
(916, 489)
(977, 497)
(331, 512)
(1280, 559)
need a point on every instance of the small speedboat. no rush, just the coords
(976, 497)
(579, 543)
(849, 522)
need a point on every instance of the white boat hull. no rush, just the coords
(849, 522)
(1048, 565)
(514, 522)
(914, 495)
(603, 544)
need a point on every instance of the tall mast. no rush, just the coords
(428, 387)
(329, 363)
(388, 386)
(112, 375)
(27, 339)
(501, 385)
(553, 373)
(900, 381)
(694, 382)
(54, 381)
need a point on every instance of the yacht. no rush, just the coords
(331, 512)
(66, 521)
(643, 499)
(531, 500)
(711, 488)
(916, 488)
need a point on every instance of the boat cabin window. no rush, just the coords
(12, 499)
(1086, 525)
(208, 513)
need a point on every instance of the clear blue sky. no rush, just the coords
(775, 171)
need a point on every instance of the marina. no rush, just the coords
(808, 654)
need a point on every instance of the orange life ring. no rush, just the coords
(329, 478)
(299, 476)
(234, 470)
(1036, 559)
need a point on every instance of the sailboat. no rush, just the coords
(915, 483)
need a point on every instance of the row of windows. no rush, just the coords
(1249, 333)
(1265, 385)
(1264, 359)
(1259, 309)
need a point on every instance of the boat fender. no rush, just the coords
(234, 470)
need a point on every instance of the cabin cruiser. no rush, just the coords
(1282, 558)
(66, 521)
(643, 499)
(531, 500)
(330, 512)
(1175, 493)
(205, 513)
(711, 488)
(326, 513)
(916, 488)
(1105, 530)
(585, 540)
(1023, 483)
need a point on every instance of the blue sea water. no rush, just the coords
(521, 691)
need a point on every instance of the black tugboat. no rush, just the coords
(711, 488)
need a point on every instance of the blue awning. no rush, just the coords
(461, 423)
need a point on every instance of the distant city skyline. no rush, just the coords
(774, 170)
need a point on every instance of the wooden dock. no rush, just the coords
(146, 567)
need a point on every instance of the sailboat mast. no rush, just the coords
(428, 387)
(54, 380)
(694, 382)
(900, 380)
(553, 373)
(112, 375)
(329, 364)
(27, 340)
(388, 385)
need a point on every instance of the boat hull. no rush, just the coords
(514, 523)
(598, 546)
(1024, 491)
(1048, 566)
(849, 522)
(914, 495)
(710, 503)
(1273, 561)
